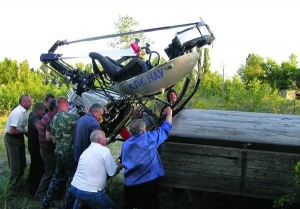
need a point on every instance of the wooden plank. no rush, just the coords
(268, 175)
(272, 166)
(286, 158)
(217, 164)
(275, 185)
(200, 186)
(206, 169)
(192, 177)
(238, 126)
(200, 159)
(174, 147)
(263, 193)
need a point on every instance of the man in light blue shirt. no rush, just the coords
(142, 164)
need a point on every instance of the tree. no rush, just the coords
(199, 65)
(206, 63)
(9, 71)
(252, 69)
(84, 67)
(284, 76)
(127, 24)
(289, 72)
(211, 84)
(18, 79)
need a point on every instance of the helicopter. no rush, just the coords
(124, 90)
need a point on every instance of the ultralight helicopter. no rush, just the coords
(123, 91)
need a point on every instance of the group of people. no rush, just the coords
(64, 146)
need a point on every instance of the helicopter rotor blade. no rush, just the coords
(132, 32)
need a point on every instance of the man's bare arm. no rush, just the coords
(14, 131)
(168, 112)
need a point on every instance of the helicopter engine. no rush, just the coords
(189, 38)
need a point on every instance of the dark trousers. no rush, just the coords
(15, 149)
(36, 171)
(65, 169)
(50, 164)
(142, 196)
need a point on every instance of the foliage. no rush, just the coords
(211, 84)
(206, 63)
(284, 76)
(154, 60)
(252, 69)
(127, 24)
(3, 174)
(18, 79)
(199, 63)
(288, 198)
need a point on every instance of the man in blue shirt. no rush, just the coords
(84, 128)
(142, 164)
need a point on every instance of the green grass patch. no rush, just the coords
(2, 123)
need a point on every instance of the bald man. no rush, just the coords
(95, 164)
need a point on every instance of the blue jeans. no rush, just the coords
(98, 199)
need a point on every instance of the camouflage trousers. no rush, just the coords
(65, 169)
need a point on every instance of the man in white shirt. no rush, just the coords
(95, 163)
(14, 139)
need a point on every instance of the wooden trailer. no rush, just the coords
(240, 153)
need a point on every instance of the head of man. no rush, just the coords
(25, 101)
(171, 96)
(49, 97)
(52, 106)
(97, 111)
(39, 108)
(137, 126)
(62, 104)
(99, 137)
(137, 41)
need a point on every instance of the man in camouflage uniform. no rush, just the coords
(62, 127)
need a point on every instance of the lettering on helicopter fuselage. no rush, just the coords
(150, 77)
(155, 75)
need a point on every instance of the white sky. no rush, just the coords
(268, 28)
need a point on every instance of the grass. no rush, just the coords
(115, 187)
(2, 123)
(4, 175)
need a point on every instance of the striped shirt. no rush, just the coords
(48, 146)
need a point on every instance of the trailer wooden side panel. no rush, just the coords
(248, 154)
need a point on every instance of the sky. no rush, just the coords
(268, 28)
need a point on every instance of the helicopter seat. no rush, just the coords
(134, 67)
(109, 68)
